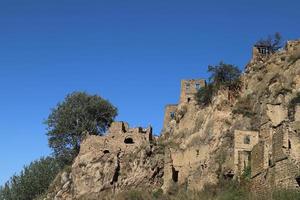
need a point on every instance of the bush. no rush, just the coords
(223, 76)
(286, 195)
(32, 182)
(224, 190)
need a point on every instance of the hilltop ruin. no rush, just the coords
(257, 131)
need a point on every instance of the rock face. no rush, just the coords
(259, 128)
(125, 158)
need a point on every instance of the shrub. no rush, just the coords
(247, 173)
(286, 195)
(32, 182)
(224, 190)
(223, 76)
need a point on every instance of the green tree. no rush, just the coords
(78, 113)
(223, 76)
(33, 180)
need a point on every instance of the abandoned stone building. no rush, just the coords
(189, 88)
(187, 95)
(120, 137)
(244, 142)
(272, 153)
(261, 50)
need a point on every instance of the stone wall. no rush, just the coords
(244, 141)
(261, 185)
(278, 146)
(278, 168)
(180, 164)
(189, 88)
(297, 113)
(118, 127)
(258, 158)
(169, 115)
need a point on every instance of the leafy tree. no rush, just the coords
(274, 42)
(78, 113)
(33, 180)
(223, 76)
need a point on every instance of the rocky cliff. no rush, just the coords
(199, 145)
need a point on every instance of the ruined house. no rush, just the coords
(244, 142)
(275, 160)
(187, 96)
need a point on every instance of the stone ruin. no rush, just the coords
(189, 88)
(120, 137)
(260, 51)
(272, 153)
(243, 145)
(187, 96)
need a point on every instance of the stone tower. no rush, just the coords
(260, 51)
(189, 88)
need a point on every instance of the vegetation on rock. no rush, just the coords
(223, 76)
(272, 41)
(70, 119)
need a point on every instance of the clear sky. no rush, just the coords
(132, 52)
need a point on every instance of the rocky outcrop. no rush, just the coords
(199, 145)
(202, 140)
(125, 158)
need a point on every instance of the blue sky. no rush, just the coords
(133, 53)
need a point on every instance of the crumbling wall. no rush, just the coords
(189, 88)
(244, 141)
(279, 145)
(118, 127)
(297, 113)
(261, 185)
(169, 115)
(258, 159)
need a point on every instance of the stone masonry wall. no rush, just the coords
(243, 142)
(169, 114)
(189, 88)
(257, 159)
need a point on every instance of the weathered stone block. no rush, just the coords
(277, 114)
